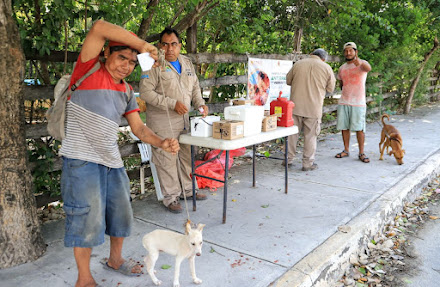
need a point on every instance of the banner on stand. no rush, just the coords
(266, 79)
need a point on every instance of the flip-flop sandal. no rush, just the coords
(342, 154)
(364, 158)
(125, 267)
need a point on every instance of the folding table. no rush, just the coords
(227, 145)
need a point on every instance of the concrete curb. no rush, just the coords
(325, 265)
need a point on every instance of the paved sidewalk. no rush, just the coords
(271, 238)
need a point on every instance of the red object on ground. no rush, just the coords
(215, 169)
(283, 108)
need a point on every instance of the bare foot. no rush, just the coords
(135, 269)
(86, 283)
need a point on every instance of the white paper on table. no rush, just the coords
(145, 61)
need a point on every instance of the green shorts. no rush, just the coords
(351, 118)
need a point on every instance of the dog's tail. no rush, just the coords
(385, 116)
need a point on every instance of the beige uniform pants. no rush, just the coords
(311, 128)
(166, 166)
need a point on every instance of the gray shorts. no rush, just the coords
(351, 118)
(96, 202)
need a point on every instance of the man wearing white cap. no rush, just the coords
(352, 104)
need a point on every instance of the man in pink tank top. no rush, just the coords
(352, 104)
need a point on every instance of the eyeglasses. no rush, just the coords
(167, 45)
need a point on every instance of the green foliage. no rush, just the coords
(223, 93)
(362, 270)
(421, 94)
(392, 35)
(132, 162)
(124, 137)
(328, 117)
(42, 155)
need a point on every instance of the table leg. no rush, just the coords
(225, 189)
(285, 161)
(253, 165)
(193, 178)
(142, 175)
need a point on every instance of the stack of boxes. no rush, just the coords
(241, 120)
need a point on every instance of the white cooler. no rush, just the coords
(252, 116)
(202, 127)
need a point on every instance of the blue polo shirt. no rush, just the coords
(176, 66)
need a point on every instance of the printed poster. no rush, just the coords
(266, 79)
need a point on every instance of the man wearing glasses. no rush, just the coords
(169, 93)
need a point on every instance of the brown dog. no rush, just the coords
(390, 137)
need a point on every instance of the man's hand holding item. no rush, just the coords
(180, 108)
(149, 48)
(170, 145)
(204, 110)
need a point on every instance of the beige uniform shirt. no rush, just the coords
(162, 88)
(310, 79)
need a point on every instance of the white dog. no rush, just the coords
(182, 246)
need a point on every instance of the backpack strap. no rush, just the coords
(128, 90)
(80, 80)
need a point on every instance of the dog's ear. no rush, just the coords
(187, 227)
(200, 226)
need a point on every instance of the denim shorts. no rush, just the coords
(351, 118)
(96, 202)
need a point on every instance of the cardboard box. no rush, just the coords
(269, 123)
(227, 130)
(243, 102)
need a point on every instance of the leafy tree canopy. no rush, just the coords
(392, 35)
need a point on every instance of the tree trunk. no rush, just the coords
(178, 13)
(201, 9)
(297, 40)
(436, 74)
(44, 72)
(414, 83)
(145, 23)
(20, 236)
(299, 24)
(211, 90)
(191, 39)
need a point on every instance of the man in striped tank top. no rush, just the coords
(94, 184)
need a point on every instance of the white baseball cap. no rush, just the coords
(350, 45)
